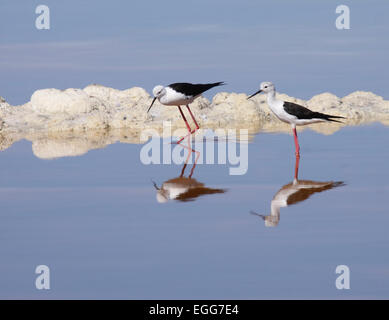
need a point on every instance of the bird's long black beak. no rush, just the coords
(259, 91)
(257, 214)
(151, 104)
(155, 185)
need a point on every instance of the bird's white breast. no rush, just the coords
(175, 189)
(277, 107)
(174, 98)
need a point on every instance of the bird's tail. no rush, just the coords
(216, 84)
(328, 117)
(332, 118)
(200, 88)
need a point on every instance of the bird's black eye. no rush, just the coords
(265, 87)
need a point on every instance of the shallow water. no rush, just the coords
(96, 222)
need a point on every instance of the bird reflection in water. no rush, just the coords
(292, 193)
(183, 188)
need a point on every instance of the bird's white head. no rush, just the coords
(158, 92)
(162, 196)
(265, 87)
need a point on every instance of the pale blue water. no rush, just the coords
(94, 220)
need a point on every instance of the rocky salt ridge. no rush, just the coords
(70, 122)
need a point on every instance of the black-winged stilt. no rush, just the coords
(184, 188)
(178, 94)
(294, 192)
(292, 113)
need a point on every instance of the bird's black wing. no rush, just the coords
(193, 193)
(303, 113)
(190, 89)
(304, 193)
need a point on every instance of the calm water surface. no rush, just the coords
(96, 222)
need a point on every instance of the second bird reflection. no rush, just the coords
(184, 188)
(292, 193)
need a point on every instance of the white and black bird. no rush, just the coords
(184, 188)
(178, 94)
(293, 193)
(292, 113)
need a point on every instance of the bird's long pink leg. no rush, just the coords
(194, 165)
(296, 168)
(194, 120)
(183, 117)
(179, 141)
(187, 125)
(191, 150)
(296, 142)
(188, 157)
(183, 170)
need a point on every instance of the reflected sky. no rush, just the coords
(95, 221)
